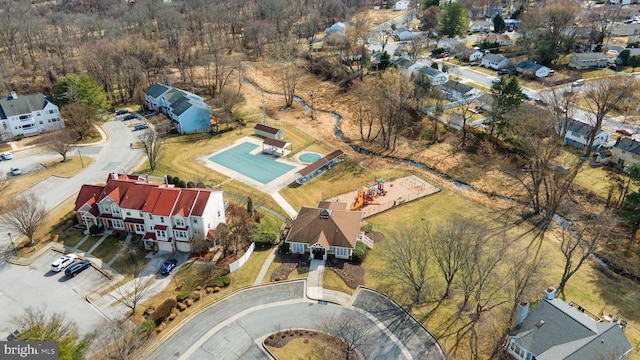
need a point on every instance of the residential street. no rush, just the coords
(114, 154)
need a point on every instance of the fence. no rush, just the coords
(243, 259)
(373, 209)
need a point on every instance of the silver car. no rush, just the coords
(63, 262)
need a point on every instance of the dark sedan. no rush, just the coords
(77, 268)
(168, 266)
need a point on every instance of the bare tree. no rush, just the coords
(289, 76)
(415, 46)
(60, 141)
(449, 247)
(350, 328)
(580, 239)
(564, 108)
(26, 215)
(79, 118)
(408, 261)
(117, 339)
(133, 292)
(152, 144)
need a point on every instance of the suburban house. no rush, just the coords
(501, 39)
(494, 61)
(555, 330)
(266, 131)
(436, 76)
(408, 66)
(456, 90)
(27, 115)
(401, 5)
(485, 101)
(626, 152)
(351, 55)
(336, 33)
(404, 34)
(588, 60)
(328, 229)
(621, 29)
(480, 25)
(187, 111)
(532, 69)
(473, 55)
(318, 167)
(167, 218)
(578, 134)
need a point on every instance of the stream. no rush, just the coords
(337, 130)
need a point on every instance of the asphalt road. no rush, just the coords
(114, 154)
(234, 327)
(36, 286)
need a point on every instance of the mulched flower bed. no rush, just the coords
(281, 338)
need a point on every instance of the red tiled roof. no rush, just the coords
(161, 201)
(185, 203)
(136, 195)
(160, 227)
(87, 195)
(201, 201)
(130, 177)
(149, 236)
(134, 221)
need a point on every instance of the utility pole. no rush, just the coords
(264, 112)
(81, 162)
(313, 93)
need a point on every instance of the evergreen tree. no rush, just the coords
(454, 20)
(499, 25)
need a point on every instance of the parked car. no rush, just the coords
(129, 117)
(503, 72)
(168, 266)
(140, 127)
(16, 171)
(77, 268)
(63, 262)
(442, 55)
(122, 112)
(625, 132)
(526, 96)
(13, 336)
(6, 156)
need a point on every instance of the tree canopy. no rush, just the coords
(74, 88)
(454, 20)
(498, 24)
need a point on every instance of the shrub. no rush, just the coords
(222, 281)
(161, 327)
(163, 310)
(195, 296)
(209, 289)
(188, 302)
(182, 297)
(182, 307)
(147, 325)
(359, 252)
(225, 280)
(216, 289)
(18, 137)
(263, 238)
(95, 229)
(284, 247)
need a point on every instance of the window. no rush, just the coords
(195, 221)
(150, 217)
(37, 114)
(161, 233)
(181, 234)
(52, 111)
(49, 121)
(106, 209)
(218, 213)
(128, 213)
(297, 248)
(162, 219)
(180, 222)
(41, 122)
(116, 210)
(342, 252)
(139, 228)
(118, 224)
(140, 213)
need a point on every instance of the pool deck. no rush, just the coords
(269, 188)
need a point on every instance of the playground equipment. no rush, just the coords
(367, 194)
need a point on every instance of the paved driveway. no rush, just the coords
(36, 285)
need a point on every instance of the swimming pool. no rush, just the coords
(309, 157)
(261, 168)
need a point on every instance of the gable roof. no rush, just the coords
(555, 330)
(405, 63)
(319, 163)
(87, 196)
(23, 104)
(579, 127)
(496, 58)
(336, 227)
(529, 65)
(431, 72)
(457, 86)
(275, 142)
(590, 56)
(628, 144)
(156, 90)
(267, 129)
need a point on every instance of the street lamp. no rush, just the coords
(13, 245)
(81, 162)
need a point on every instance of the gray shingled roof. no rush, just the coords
(554, 330)
(628, 144)
(180, 106)
(430, 71)
(496, 58)
(24, 104)
(404, 63)
(580, 128)
(457, 86)
(590, 56)
(156, 90)
(529, 65)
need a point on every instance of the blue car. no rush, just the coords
(168, 266)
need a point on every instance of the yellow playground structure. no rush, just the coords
(367, 194)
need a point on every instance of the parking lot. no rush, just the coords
(36, 285)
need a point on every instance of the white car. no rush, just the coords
(63, 262)
(6, 156)
(16, 171)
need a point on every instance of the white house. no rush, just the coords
(167, 218)
(329, 229)
(475, 55)
(188, 111)
(404, 34)
(401, 5)
(266, 131)
(436, 77)
(501, 39)
(533, 69)
(28, 115)
(408, 65)
(626, 152)
(456, 90)
(565, 331)
(494, 61)
(480, 25)
(578, 134)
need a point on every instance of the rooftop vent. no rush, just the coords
(539, 324)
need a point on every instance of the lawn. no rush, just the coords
(92, 240)
(342, 178)
(299, 273)
(92, 136)
(332, 281)
(108, 248)
(300, 348)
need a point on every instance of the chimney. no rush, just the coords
(114, 175)
(550, 293)
(521, 312)
(13, 96)
(166, 181)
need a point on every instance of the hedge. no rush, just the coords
(222, 281)
(147, 325)
(360, 251)
(163, 310)
(182, 297)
